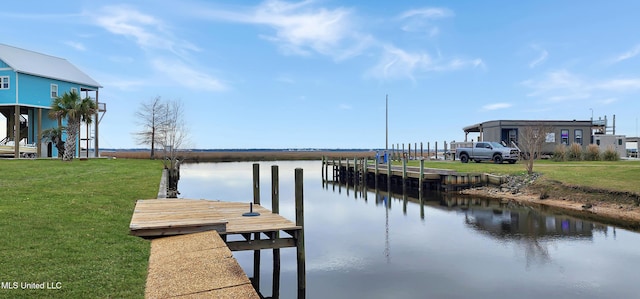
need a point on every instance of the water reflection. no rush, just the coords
(367, 243)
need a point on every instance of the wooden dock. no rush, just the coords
(360, 171)
(153, 218)
(166, 217)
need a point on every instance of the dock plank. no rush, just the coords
(160, 217)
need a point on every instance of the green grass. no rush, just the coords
(609, 175)
(68, 222)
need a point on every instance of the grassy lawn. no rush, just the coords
(69, 223)
(616, 175)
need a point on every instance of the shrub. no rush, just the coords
(575, 152)
(610, 154)
(560, 153)
(592, 153)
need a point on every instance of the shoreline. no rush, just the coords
(580, 204)
(241, 156)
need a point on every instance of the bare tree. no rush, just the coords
(531, 142)
(172, 136)
(150, 118)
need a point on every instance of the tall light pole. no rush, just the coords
(386, 144)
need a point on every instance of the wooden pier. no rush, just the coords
(155, 218)
(360, 171)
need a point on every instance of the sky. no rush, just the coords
(316, 74)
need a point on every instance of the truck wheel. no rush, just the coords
(464, 158)
(497, 159)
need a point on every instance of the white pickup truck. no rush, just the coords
(488, 151)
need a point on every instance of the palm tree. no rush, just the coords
(75, 110)
(55, 136)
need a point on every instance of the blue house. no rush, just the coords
(29, 81)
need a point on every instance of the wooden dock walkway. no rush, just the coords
(195, 265)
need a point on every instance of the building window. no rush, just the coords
(578, 136)
(4, 82)
(73, 89)
(564, 137)
(54, 90)
(619, 141)
(598, 142)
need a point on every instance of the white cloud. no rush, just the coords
(421, 20)
(556, 81)
(76, 45)
(187, 76)
(541, 57)
(562, 85)
(496, 106)
(302, 29)
(397, 63)
(147, 31)
(152, 35)
(619, 84)
(305, 29)
(628, 55)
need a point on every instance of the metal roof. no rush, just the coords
(42, 65)
(475, 128)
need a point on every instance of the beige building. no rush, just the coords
(561, 132)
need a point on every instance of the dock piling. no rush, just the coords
(275, 208)
(256, 236)
(299, 198)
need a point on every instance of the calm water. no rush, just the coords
(361, 245)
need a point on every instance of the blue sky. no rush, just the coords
(314, 74)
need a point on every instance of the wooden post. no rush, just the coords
(299, 194)
(429, 150)
(415, 150)
(392, 155)
(39, 141)
(365, 170)
(389, 176)
(275, 208)
(256, 236)
(376, 175)
(340, 169)
(16, 131)
(409, 151)
(333, 165)
(445, 150)
(355, 172)
(326, 168)
(421, 178)
(347, 174)
(404, 173)
(402, 153)
(322, 170)
(436, 150)
(421, 152)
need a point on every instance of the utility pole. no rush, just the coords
(386, 146)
